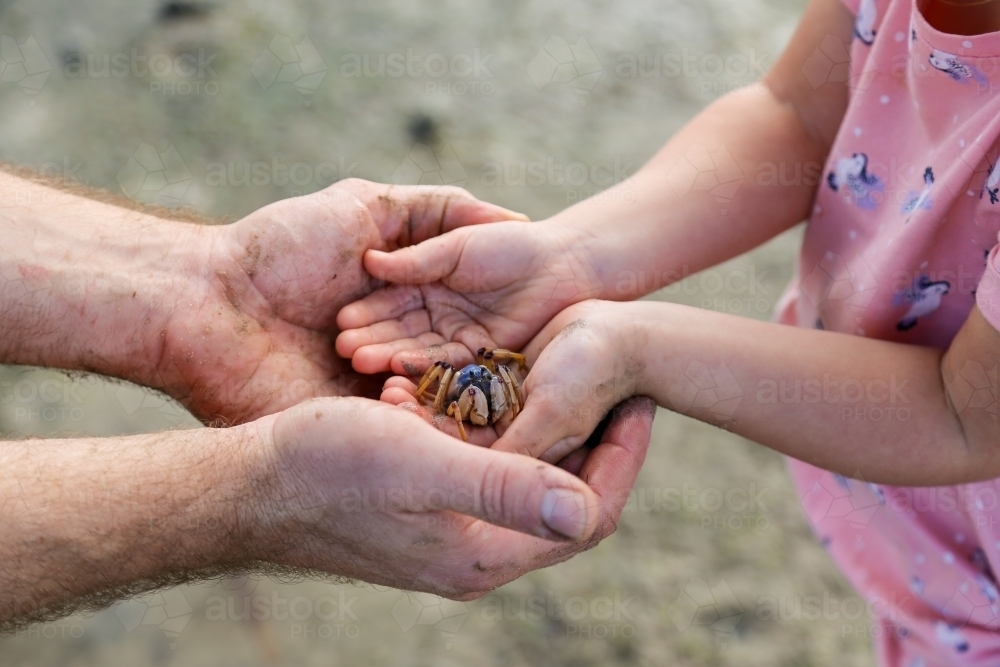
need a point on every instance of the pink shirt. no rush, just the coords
(902, 242)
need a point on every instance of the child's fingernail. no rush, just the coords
(513, 215)
(565, 512)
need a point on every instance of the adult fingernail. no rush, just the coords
(565, 512)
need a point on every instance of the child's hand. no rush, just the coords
(493, 285)
(586, 361)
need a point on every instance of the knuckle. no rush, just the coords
(522, 449)
(493, 493)
(453, 192)
(546, 409)
(353, 184)
(346, 206)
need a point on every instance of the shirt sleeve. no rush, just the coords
(988, 292)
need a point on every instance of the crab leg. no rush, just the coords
(455, 411)
(442, 391)
(501, 356)
(487, 361)
(433, 373)
(508, 393)
(510, 385)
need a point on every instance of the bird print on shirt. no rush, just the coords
(923, 298)
(951, 635)
(851, 176)
(992, 186)
(917, 201)
(954, 67)
(864, 25)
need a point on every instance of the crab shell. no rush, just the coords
(480, 395)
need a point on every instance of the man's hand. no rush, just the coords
(235, 321)
(489, 286)
(259, 337)
(344, 486)
(372, 491)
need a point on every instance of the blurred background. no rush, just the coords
(534, 104)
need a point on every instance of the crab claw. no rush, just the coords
(474, 406)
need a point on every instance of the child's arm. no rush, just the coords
(879, 411)
(502, 283)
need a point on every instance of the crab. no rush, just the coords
(481, 393)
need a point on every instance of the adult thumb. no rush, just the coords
(517, 492)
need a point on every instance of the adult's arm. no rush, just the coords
(346, 486)
(235, 321)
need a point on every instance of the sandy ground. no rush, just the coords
(227, 106)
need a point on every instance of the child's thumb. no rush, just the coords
(551, 425)
(426, 262)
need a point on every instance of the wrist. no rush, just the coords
(282, 508)
(208, 510)
(643, 325)
(577, 254)
(88, 285)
